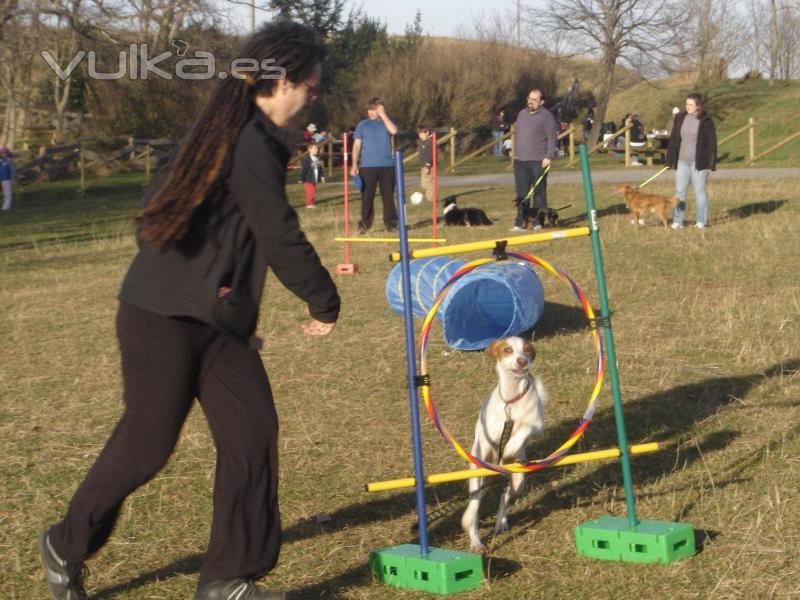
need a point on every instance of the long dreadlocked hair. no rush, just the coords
(201, 161)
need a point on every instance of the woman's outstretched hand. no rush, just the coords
(314, 327)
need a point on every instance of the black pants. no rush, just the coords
(526, 172)
(374, 177)
(166, 363)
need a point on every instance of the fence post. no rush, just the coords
(148, 151)
(82, 166)
(627, 147)
(133, 148)
(42, 155)
(330, 156)
(571, 142)
(452, 148)
(752, 132)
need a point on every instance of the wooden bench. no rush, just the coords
(651, 153)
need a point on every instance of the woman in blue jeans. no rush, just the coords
(692, 151)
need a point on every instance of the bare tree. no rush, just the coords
(774, 42)
(789, 36)
(637, 32)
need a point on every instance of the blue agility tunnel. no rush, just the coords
(495, 300)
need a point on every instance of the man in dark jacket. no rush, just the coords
(535, 148)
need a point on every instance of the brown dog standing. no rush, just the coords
(639, 203)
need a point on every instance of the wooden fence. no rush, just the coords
(85, 155)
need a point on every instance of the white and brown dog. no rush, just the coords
(512, 413)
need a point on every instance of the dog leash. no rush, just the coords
(641, 185)
(536, 184)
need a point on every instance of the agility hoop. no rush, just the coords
(595, 330)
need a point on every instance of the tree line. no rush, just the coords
(79, 68)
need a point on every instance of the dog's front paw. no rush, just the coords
(501, 525)
(477, 547)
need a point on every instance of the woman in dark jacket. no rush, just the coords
(214, 222)
(692, 151)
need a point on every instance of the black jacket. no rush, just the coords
(307, 172)
(426, 152)
(244, 226)
(706, 151)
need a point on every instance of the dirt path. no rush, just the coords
(634, 175)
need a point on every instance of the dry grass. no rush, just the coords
(706, 325)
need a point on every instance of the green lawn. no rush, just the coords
(706, 327)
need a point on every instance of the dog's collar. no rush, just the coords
(448, 208)
(518, 396)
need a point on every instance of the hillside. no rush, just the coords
(731, 103)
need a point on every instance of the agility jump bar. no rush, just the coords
(530, 238)
(394, 484)
(387, 239)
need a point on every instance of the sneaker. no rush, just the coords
(362, 229)
(700, 225)
(235, 589)
(642, 222)
(311, 206)
(677, 225)
(636, 163)
(516, 228)
(537, 227)
(64, 581)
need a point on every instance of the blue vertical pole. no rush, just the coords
(411, 354)
(608, 336)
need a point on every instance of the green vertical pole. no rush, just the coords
(608, 335)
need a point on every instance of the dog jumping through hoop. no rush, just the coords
(509, 417)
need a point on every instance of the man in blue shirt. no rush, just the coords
(373, 145)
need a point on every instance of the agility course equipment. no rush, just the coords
(349, 268)
(449, 477)
(503, 298)
(517, 240)
(609, 538)
(385, 240)
(534, 465)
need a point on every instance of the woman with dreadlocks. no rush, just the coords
(214, 221)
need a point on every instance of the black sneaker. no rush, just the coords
(362, 229)
(64, 581)
(235, 589)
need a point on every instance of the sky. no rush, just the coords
(439, 17)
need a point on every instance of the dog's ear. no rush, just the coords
(495, 347)
(529, 350)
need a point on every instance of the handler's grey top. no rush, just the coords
(537, 133)
(689, 129)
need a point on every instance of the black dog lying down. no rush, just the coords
(466, 217)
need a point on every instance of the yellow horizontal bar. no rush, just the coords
(530, 238)
(376, 240)
(393, 484)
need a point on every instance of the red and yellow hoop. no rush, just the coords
(597, 339)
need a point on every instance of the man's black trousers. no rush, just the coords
(166, 363)
(375, 177)
(526, 173)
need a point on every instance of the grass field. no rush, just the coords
(706, 327)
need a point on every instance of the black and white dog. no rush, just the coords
(466, 217)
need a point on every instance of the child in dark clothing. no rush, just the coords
(311, 174)
(426, 161)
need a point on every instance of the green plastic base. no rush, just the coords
(440, 572)
(612, 538)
